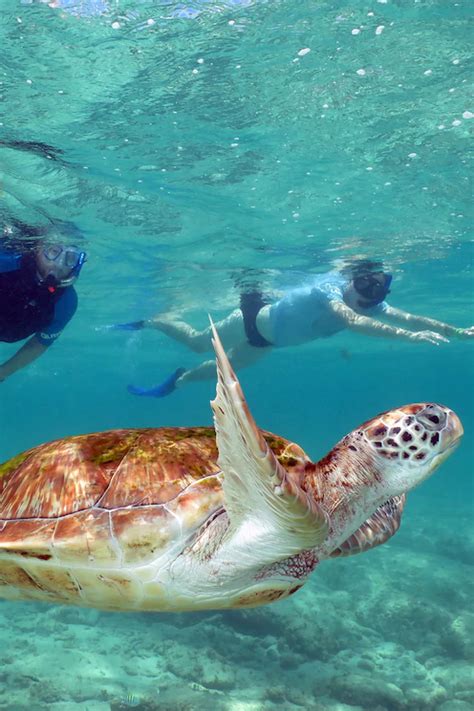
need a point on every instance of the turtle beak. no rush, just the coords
(453, 430)
(450, 437)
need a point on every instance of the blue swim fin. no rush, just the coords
(162, 390)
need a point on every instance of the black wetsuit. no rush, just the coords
(27, 307)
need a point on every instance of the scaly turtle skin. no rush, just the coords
(175, 519)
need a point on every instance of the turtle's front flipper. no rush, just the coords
(257, 490)
(381, 526)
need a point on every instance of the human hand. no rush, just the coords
(465, 332)
(428, 337)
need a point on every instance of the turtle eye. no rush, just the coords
(432, 418)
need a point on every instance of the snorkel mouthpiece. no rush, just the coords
(51, 283)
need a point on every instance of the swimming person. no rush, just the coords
(37, 296)
(334, 301)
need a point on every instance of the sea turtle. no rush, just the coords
(174, 519)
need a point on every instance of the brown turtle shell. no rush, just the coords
(107, 500)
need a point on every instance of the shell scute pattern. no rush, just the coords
(142, 532)
(28, 538)
(86, 536)
(111, 469)
(11, 465)
(52, 481)
(159, 466)
(14, 577)
(115, 497)
(49, 580)
(109, 447)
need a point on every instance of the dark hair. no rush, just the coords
(44, 150)
(19, 236)
(361, 267)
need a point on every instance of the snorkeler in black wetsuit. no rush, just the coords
(37, 296)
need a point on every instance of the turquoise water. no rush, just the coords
(202, 145)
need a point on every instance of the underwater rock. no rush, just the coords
(71, 706)
(428, 696)
(284, 696)
(457, 679)
(455, 706)
(74, 615)
(208, 670)
(327, 704)
(458, 638)
(462, 545)
(254, 622)
(405, 620)
(217, 675)
(368, 692)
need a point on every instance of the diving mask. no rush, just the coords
(59, 265)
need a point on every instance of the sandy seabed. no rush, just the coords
(391, 629)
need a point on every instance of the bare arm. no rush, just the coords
(371, 327)
(423, 322)
(29, 352)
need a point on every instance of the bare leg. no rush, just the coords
(231, 330)
(241, 356)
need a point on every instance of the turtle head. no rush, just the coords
(410, 442)
(383, 458)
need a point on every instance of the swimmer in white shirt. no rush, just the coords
(331, 303)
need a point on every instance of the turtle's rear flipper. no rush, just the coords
(381, 526)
